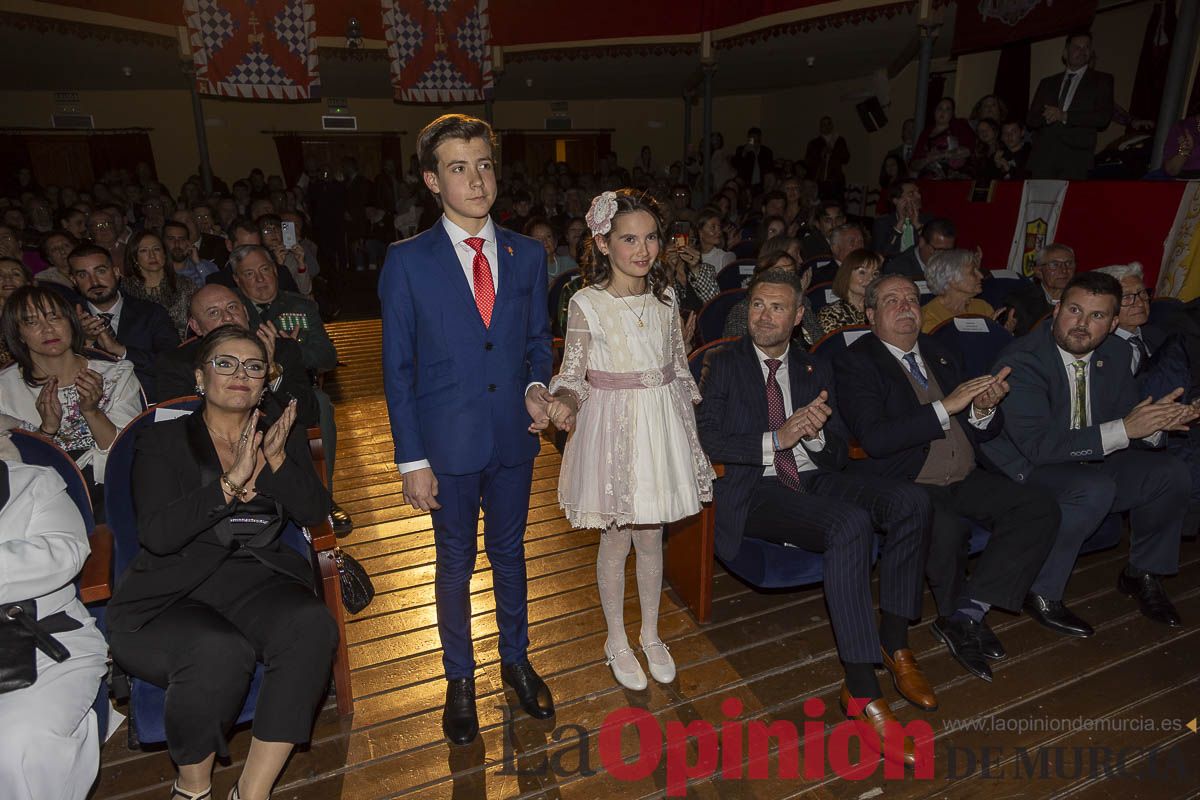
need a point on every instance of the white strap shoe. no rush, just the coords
(658, 657)
(630, 677)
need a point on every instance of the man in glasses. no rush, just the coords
(1133, 321)
(1054, 268)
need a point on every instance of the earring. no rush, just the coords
(199, 390)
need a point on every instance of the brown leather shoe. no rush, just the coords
(878, 714)
(909, 680)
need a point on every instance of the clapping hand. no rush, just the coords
(537, 400)
(245, 459)
(991, 396)
(90, 386)
(275, 440)
(267, 333)
(1165, 414)
(805, 422)
(49, 408)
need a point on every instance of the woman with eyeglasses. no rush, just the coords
(214, 589)
(150, 276)
(80, 403)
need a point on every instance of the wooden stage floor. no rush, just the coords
(1097, 718)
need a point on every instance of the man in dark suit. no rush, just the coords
(124, 327)
(767, 414)
(826, 157)
(936, 234)
(895, 232)
(1133, 322)
(905, 400)
(815, 243)
(1054, 267)
(466, 359)
(753, 159)
(245, 232)
(1073, 425)
(1068, 110)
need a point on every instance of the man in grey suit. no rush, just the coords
(1073, 424)
(1068, 111)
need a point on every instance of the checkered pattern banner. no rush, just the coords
(440, 50)
(263, 49)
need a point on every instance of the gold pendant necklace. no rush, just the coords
(636, 314)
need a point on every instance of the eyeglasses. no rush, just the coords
(1059, 266)
(228, 365)
(1132, 297)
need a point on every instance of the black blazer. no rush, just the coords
(182, 517)
(1029, 303)
(146, 330)
(733, 417)
(882, 412)
(905, 263)
(176, 376)
(1067, 150)
(885, 239)
(1037, 422)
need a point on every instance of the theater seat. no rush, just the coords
(978, 339)
(710, 323)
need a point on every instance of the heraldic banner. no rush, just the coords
(440, 50)
(990, 24)
(264, 49)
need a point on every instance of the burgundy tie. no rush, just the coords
(785, 462)
(485, 290)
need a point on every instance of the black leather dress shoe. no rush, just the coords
(962, 638)
(1055, 615)
(989, 645)
(531, 690)
(341, 522)
(1148, 591)
(460, 723)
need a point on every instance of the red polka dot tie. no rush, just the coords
(485, 290)
(785, 461)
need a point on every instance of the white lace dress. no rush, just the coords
(634, 457)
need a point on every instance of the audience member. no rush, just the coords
(936, 234)
(989, 107)
(1133, 319)
(204, 246)
(51, 743)
(712, 238)
(1068, 112)
(815, 243)
(898, 231)
(294, 258)
(850, 283)
(1013, 153)
(944, 148)
(808, 332)
(826, 157)
(56, 246)
(1054, 267)
(245, 232)
(891, 172)
(784, 450)
(540, 229)
(752, 160)
(13, 275)
(1181, 157)
(843, 240)
(985, 164)
(894, 390)
(147, 277)
(54, 389)
(214, 588)
(104, 230)
(904, 151)
(956, 280)
(74, 221)
(1074, 425)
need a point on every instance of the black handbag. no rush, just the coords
(357, 589)
(21, 636)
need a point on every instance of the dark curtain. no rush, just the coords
(112, 151)
(14, 154)
(1151, 79)
(291, 157)
(1012, 79)
(389, 147)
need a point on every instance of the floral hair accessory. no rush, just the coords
(600, 216)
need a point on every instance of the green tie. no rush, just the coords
(907, 239)
(1079, 419)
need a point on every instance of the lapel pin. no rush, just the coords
(1099, 363)
(808, 369)
(941, 361)
(509, 249)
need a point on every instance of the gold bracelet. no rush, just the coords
(237, 491)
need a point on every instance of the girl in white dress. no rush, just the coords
(633, 461)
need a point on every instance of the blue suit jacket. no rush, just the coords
(456, 389)
(732, 418)
(1037, 410)
(882, 411)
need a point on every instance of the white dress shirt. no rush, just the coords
(1137, 352)
(1112, 433)
(803, 462)
(1078, 73)
(938, 408)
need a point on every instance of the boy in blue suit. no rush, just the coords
(466, 356)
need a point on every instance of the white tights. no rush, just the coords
(610, 578)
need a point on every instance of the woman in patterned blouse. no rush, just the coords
(150, 276)
(850, 284)
(53, 389)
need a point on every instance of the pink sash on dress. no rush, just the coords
(649, 379)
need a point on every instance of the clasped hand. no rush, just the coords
(254, 449)
(805, 422)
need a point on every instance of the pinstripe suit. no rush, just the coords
(835, 514)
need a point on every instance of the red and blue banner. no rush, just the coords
(440, 50)
(262, 49)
